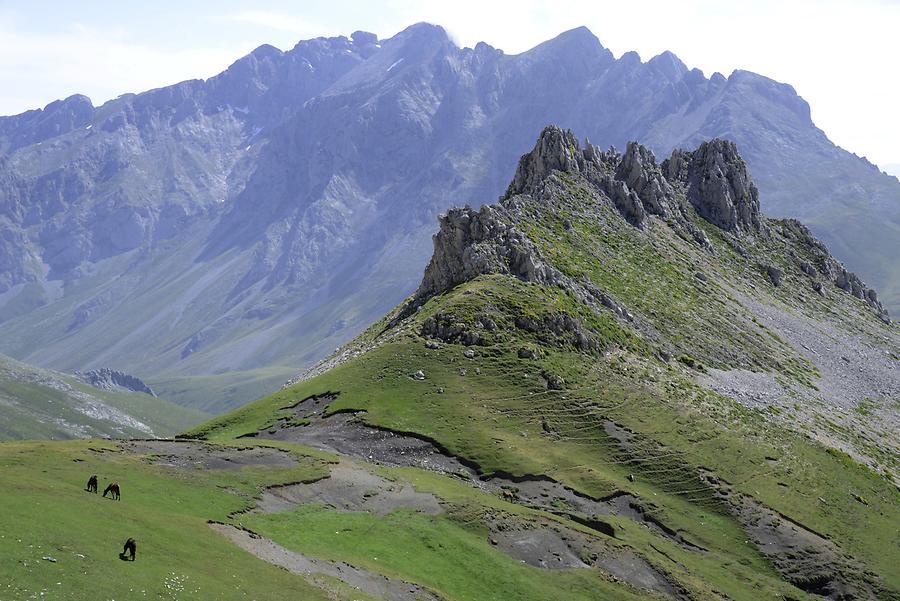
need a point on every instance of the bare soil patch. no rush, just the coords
(350, 488)
(345, 434)
(370, 583)
(552, 546)
(199, 455)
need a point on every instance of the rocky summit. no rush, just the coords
(243, 225)
(714, 180)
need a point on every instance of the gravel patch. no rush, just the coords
(858, 389)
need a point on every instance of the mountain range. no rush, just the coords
(242, 226)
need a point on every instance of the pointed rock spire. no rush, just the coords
(555, 150)
(718, 185)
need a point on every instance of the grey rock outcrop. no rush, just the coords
(111, 379)
(472, 243)
(556, 150)
(639, 171)
(820, 263)
(717, 183)
(633, 182)
(450, 328)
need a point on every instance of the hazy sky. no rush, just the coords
(843, 56)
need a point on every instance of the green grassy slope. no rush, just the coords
(179, 557)
(37, 403)
(499, 418)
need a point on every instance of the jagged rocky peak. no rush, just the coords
(713, 178)
(718, 185)
(472, 243)
(633, 181)
(111, 379)
(555, 150)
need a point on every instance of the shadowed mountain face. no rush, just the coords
(267, 214)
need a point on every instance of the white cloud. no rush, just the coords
(101, 65)
(294, 24)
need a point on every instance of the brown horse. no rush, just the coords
(130, 549)
(112, 490)
(92, 484)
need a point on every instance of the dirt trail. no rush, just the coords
(370, 583)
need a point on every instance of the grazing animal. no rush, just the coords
(92, 484)
(112, 490)
(130, 549)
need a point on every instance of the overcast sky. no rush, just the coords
(842, 56)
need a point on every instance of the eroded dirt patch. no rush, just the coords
(552, 546)
(345, 434)
(350, 488)
(370, 583)
(199, 455)
(554, 497)
(804, 558)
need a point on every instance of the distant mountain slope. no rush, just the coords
(39, 404)
(262, 217)
(621, 344)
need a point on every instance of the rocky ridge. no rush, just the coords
(111, 379)
(713, 180)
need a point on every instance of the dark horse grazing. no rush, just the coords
(92, 484)
(129, 550)
(112, 490)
